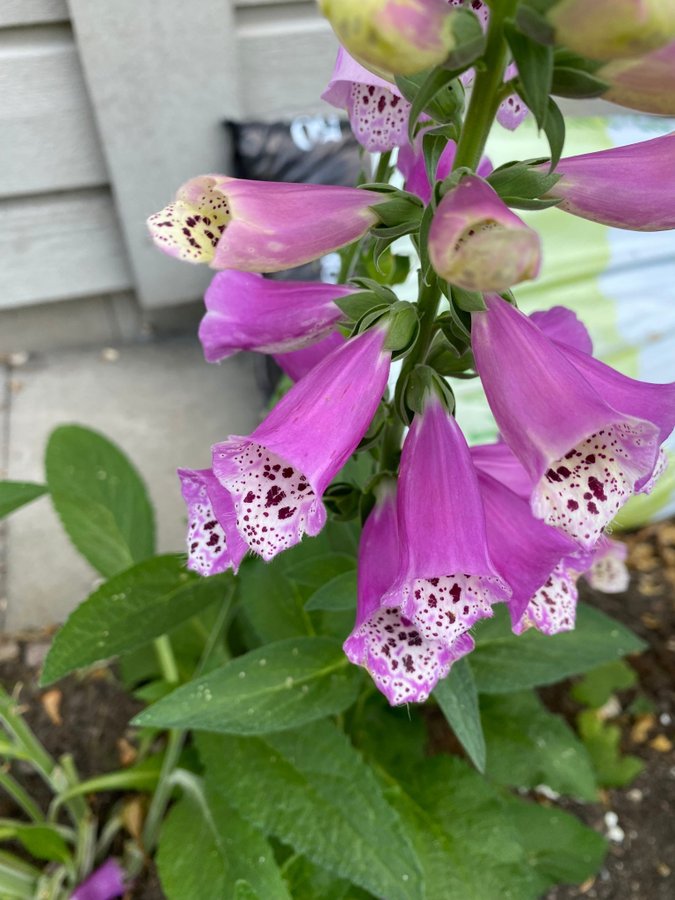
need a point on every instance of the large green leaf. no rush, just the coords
(458, 699)
(335, 595)
(100, 498)
(528, 745)
(129, 610)
(312, 791)
(279, 686)
(206, 850)
(14, 494)
(504, 662)
(557, 846)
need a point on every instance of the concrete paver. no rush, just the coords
(160, 402)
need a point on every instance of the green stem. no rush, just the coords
(166, 659)
(485, 97)
(20, 797)
(382, 172)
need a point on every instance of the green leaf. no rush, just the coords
(422, 93)
(528, 745)
(18, 879)
(558, 847)
(100, 499)
(337, 594)
(207, 850)
(315, 572)
(535, 70)
(275, 687)
(41, 841)
(554, 128)
(129, 610)
(598, 685)
(503, 662)
(576, 84)
(603, 740)
(312, 791)
(456, 822)
(458, 699)
(14, 494)
(307, 881)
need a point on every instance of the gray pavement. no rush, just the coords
(159, 401)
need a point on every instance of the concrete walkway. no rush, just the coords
(159, 401)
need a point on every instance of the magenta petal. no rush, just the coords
(248, 312)
(584, 456)
(477, 243)
(277, 475)
(446, 579)
(500, 462)
(214, 544)
(260, 226)
(378, 113)
(553, 607)
(106, 883)
(524, 550)
(561, 324)
(403, 665)
(299, 362)
(626, 187)
(512, 111)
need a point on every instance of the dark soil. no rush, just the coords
(88, 718)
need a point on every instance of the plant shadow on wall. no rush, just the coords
(284, 679)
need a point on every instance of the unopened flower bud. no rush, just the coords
(399, 36)
(477, 243)
(645, 83)
(612, 29)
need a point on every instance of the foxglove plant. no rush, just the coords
(449, 533)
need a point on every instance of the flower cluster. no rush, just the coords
(452, 530)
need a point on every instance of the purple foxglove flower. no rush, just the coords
(277, 475)
(399, 36)
(260, 226)
(645, 83)
(477, 243)
(404, 665)
(378, 113)
(446, 580)
(586, 444)
(298, 363)
(214, 544)
(625, 187)
(248, 312)
(562, 325)
(106, 883)
(612, 29)
(607, 571)
(524, 550)
(410, 163)
(553, 607)
(499, 461)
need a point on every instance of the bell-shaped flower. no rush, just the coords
(477, 243)
(446, 580)
(612, 29)
(298, 363)
(277, 475)
(553, 607)
(625, 187)
(410, 163)
(607, 571)
(393, 36)
(641, 399)
(524, 550)
(586, 445)
(404, 665)
(260, 226)
(512, 112)
(248, 312)
(378, 112)
(214, 544)
(645, 83)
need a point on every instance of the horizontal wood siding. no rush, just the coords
(29, 12)
(48, 137)
(59, 246)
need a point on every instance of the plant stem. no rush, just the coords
(382, 171)
(166, 659)
(485, 96)
(20, 797)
